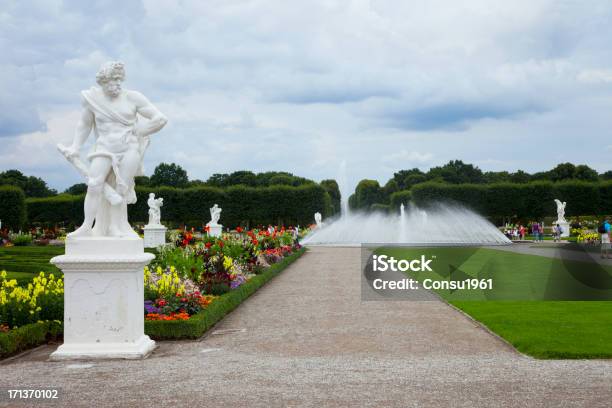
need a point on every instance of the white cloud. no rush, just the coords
(301, 86)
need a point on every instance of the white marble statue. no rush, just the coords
(121, 138)
(318, 219)
(155, 205)
(560, 211)
(215, 214)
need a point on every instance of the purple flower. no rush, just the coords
(149, 307)
(239, 280)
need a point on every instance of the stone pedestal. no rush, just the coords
(103, 299)
(564, 226)
(154, 235)
(215, 230)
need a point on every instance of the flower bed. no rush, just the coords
(198, 324)
(29, 315)
(191, 285)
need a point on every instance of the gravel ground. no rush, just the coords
(307, 339)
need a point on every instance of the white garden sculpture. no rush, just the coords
(565, 227)
(154, 231)
(318, 219)
(214, 228)
(104, 260)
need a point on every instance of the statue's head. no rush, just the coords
(151, 195)
(109, 77)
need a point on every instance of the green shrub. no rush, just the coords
(21, 239)
(12, 207)
(28, 336)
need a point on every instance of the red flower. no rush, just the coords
(239, 229)
(207, 228)
(220, 243)
(208, 244)
(161, 302)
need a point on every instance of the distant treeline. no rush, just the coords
(247, 199)
(494, 194)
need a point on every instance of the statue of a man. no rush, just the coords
(116, 157)
(155, 205)
(215, 214)
(560, 210)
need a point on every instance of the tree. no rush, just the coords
(171, 175)
(332, 188)
(407, 178)
(563, 171)
(496, 177)
(142, 181)
(585, 173)
(607, 175)
(520, 177)
(457, 172)
(31, 186)
(76, 189)
(368, 192)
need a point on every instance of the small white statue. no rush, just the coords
(115, 116)
(318, 219)
(560, 211)
(155, 205)
(215, 214)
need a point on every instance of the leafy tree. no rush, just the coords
(281, 179)
(368, 192)
(607, 175)
(563, 171)
(584, 172)
(520, 177)
(332, 188)
(457, 172)
(142, 181)
(31, 186)
(496, 177)
(76, 189)
(171, 175)
(407, 178)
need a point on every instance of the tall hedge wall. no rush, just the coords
(12, 207)
(247, 206)
(523, 200)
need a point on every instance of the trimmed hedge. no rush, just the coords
(199, 323)
(12, 207)
(534, 199)
(28, 336)
(246, 206)
(52, 210)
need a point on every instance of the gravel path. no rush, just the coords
(306, 339)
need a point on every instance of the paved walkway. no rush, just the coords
(306, 339)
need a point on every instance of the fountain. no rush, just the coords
(440, 224)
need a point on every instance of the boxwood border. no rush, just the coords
(28, 336)
(199, 323)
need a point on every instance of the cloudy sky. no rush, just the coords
(302, 86)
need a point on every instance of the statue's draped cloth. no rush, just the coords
(113, 145)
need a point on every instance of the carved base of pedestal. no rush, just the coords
(87, 351)
(215, 230)
(154, 236)
(103, 299)
(564, 226)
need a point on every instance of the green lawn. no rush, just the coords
(546, 308)
(23, 263)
